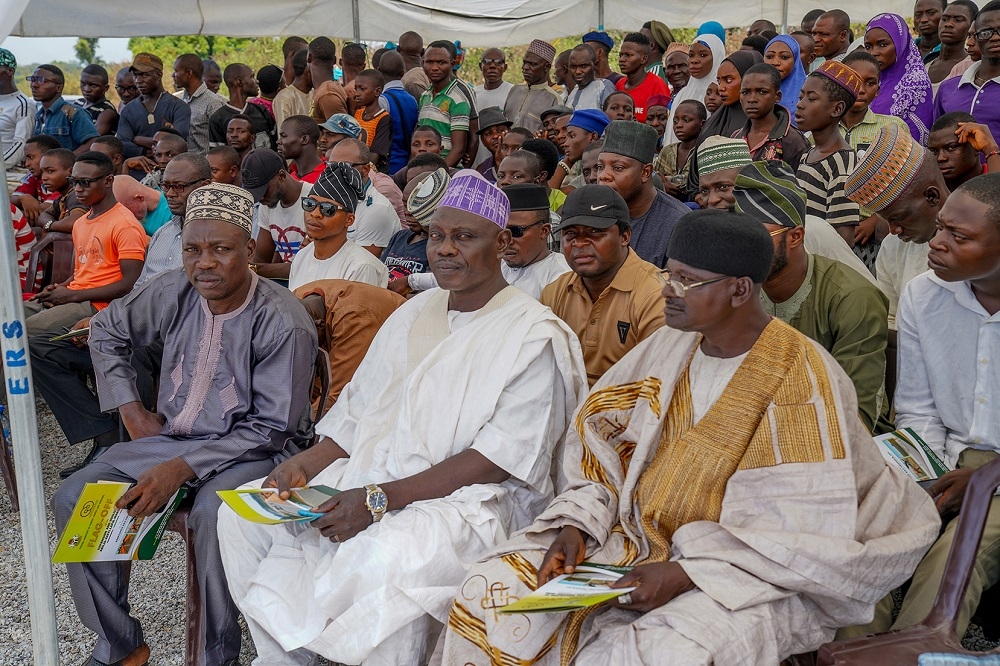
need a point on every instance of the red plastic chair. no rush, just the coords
(937, 633)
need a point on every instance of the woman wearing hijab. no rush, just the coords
(730, 118)
(784, 53)
(904, 87)
(704, 57)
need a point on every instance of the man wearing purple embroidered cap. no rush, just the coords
(441, 445)
(527, 100)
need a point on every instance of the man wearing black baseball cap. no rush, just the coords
(612, 298)
(280, 229)
(528, 263)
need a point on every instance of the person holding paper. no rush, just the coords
(723, 458)
(238, 355)
(948, 388)
(441, 447)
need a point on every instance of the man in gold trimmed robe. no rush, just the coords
(759, 515)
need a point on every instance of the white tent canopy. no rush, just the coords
(475, 22)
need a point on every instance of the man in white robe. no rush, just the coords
(724, 460)
(441, 446)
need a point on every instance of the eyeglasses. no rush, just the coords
(84, 183)
(518, 230)
(986, 34)
(169, 187)
(679, 288)
(39, 79)
(325, 209)
(486, 62)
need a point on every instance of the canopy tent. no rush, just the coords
(475, 22)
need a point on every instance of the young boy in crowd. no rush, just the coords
(713, 100)
(673, 162)
(425, 140)
(826, 97)
(374, 120)
(657, 114)
(31, 196)
(56, 168)
(619, 106)
(769, 132)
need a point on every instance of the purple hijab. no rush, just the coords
(905, 89)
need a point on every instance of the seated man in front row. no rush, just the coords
(440, 445)
(238, 353)
(758, 513)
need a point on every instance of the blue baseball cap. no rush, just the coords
(589, 120)
(599, 37)
(341, 123)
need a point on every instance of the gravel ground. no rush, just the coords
(157, 590)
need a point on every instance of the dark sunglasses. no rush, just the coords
(84, 183)
(518, 231)
(325, 209)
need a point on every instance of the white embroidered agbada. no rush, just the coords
(810, 528)
(505, 383)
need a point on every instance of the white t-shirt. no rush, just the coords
(351, 262)
(531, 279)
(287, 225)
(17, 124)
(375, 220)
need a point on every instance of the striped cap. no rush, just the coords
(769, 192)
(718, 152)
(424, 199)
(888, 167)
(842, 75)
(222, 202)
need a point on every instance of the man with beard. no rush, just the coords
(612, 298)
(821, 298)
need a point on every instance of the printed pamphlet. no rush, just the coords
(585, 587)
(98, 532)
(262, 505)
(906, 450)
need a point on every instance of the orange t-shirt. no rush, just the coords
(101, 243)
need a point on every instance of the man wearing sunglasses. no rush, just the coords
(821, 298)
(69, 124)
(109, 246)
(528, 264)
(977, 91)
(611, 299)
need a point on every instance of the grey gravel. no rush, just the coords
(157, 589)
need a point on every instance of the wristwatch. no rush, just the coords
(376, 502)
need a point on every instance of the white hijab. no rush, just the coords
(696, 88)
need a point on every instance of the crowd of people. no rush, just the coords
(731, 267)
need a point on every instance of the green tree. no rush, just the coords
(86, 50)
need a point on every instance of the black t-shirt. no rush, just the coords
(263, 124)
(403, 258)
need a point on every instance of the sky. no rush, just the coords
(38, 50)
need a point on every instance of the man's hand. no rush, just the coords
(400, 285)
(31, 208)
(567, 551)
(81, 341)
(949, 490)
(865, 229)
(140, 422)
(346, 515)
(977, 135)
(57, 295)
(287, 475)
(143, 163)
(655, 584)
(154, 487)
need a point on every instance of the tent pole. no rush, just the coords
(356, 17)
(600, 15)
(24, 436)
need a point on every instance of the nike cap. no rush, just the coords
(596, 206)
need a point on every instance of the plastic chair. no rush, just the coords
(937, 633)
(179, 523)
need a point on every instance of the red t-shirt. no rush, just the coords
(651, 85)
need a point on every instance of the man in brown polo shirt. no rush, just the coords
(612, 298)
